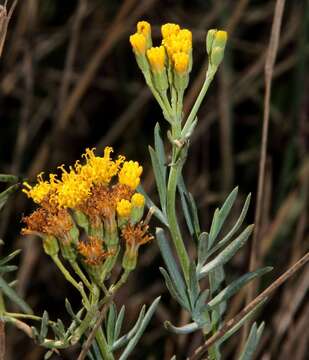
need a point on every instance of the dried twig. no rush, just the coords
(5, 18)
(269, 69)
(265, 294)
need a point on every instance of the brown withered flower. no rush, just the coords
(92, 251)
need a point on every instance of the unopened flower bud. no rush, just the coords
(50, 245)
(138, 205)
(220, 39)
(217, 55)
(124, 209)
(209, 39)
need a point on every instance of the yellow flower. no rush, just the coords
(181, 62)
(143, 27)
(124, 208)
(99, 170)
(180, 42)
(138, 42)
(72, 190)
(41, 190)
(130, 174)
(156, 57)
(169, 29)
(138, 200)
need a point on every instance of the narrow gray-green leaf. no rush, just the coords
(228, 252)
(194, 288)
(159, 147)
(252, 342)
(237, 326)
(8, 178)
(119, 322)
(125, 338)
(220, 217)
(234, 229)
(173, 290)
(9, 257)
(6, 194)
(8, 268)
(159, 176)
(132, 343)
(44, 325)
(185, 329)
(234, 287)
(111, 322)
(12, 295)
(170, 262)
(202, 249)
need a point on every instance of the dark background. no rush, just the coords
(69, 81)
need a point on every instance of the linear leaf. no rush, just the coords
(185, 329)
(234, 229)
(159, 147)
(6, 194)
(228, 252)
(159, 176)
(119, 322)
(111, 322)
(125, 338)
(8, 178)
(170, 262)
(237, 326)
(202, 249)
(234, 287)
(173, 290)
(8, 258)
(220, 217)
(252, 342)
(8, 268)
(12, 295)
(44, 325)
(194, 288)
(132, 343)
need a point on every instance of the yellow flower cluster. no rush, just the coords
(75, 185)
(177, 43)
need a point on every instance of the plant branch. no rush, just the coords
(199, 352)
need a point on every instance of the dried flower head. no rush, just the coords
(92, 251)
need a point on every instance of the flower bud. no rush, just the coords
(217, 55)
(144, 28)
(138, 205)
(124, 209)
(209, 40)
(220, 39)
(50, 245)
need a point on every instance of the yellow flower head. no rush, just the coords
(124, 208)
(180, 42)
(72, 190)
(220, 39)
(41, 190)
(143, 27)
(138, 200)
(139, 43)
(156, 58)
(99, 170)
(130, 174)
(181, 62)
(169, 29)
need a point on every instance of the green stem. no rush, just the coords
(172, 217)
(209, 77)
(81, 274)
(103, 346)
(71, 280)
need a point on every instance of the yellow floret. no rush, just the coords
(156, 57)
(130, 174)
(40, 191)
(99, 170)
(124, 208)
(169, 29)
(143, 27)
(181, 42)
(181, 62)
(220, 38)
(72, 190)
(138, 200)
(138, 42)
